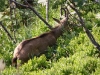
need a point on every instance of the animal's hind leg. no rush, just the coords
(14, 62)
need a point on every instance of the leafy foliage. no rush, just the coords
(73, 54)
(3, 4)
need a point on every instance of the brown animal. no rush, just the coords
(37, 46)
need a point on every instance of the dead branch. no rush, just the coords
(89, 34)
(30, 7)
(9, 35)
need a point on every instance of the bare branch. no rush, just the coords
(9, 35)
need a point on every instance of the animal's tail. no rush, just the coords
(14, 62)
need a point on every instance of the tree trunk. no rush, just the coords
(47, 10)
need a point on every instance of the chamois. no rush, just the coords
(38, 45)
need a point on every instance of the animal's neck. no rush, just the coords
(58, 32)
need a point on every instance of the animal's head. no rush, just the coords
(62, 23)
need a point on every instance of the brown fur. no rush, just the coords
(37, 46)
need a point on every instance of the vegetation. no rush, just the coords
(74, 54)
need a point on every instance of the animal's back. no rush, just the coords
(35, 46)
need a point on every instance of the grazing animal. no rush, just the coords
(38, 45)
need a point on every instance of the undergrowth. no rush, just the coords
(73, 53)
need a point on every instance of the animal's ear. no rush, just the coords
(56, 20)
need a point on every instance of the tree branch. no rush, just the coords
(30, 7)
(83, 25)
(9, 35)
